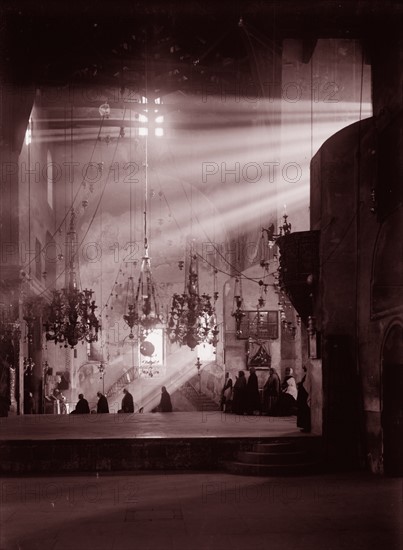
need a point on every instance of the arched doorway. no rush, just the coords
(392, 401)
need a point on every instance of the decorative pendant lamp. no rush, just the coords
(71, 315)
(192, 319)
(142, 307)
(237, 311)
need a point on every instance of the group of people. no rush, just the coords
(127, 406)
(83, 407)
(242, 397)
(279, 398)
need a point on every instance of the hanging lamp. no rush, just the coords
(70, 317)
(237, 307)
(192, 318)
(142, 308)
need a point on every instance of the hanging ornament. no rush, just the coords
(192, 318)
(237, 311)
(70, 317)
(105, 110)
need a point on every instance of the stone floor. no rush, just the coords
(201, 511)
(147, 425)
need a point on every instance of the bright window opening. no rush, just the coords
(28, 133)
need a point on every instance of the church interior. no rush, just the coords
(190, 191)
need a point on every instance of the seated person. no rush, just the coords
(82, 406)
(102, 405)
(165, 404)
(127, 402)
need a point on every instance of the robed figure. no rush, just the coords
(102, 405)
(82, 406)
(252, 393)
(127, 402)
(239, 394)
(287, 404)
(303, 403)
(165, 404)
(226, 394)
(271, 393)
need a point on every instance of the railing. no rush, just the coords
(188, 384)
(199, 399)
(121, 382)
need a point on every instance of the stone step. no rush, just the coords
(275, 447)
(206, 404)
(294, 457)
(199, 400)
(248, 469)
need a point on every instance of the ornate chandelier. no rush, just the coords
(192, 319)
(71, 314)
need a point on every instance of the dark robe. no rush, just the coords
(239, 396)
(29, 405)
(165, 403)
(303, 409)
(102, 405)
(271, 393)
(82, 407)
(127, 403)
(226, 392)
(252, 394)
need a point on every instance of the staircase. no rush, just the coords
(199, 400)
(121, 383)
(298, 457)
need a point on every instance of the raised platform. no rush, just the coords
(130, 442)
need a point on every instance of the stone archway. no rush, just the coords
(392, 402)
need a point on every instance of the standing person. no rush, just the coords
(102, 405)
(60, 401)
(165, 404)
(288, 396)
(239, 396)
(303, 403)
(29, 404)
(252, 393)
(63, 404)
(271, 392)
(127, 402)
(226, 394)
(289, 385)
(82, 406)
